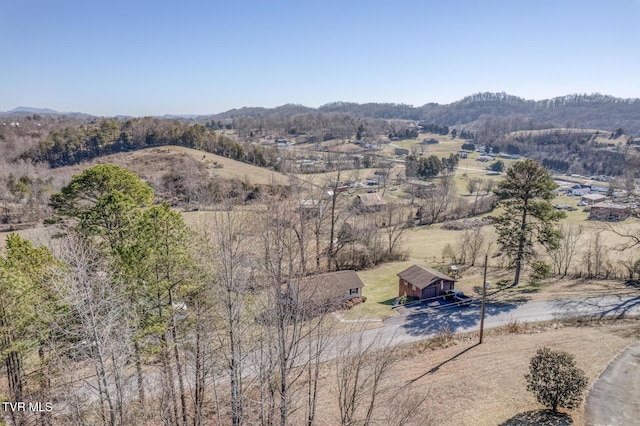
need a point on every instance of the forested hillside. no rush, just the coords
(580, 110)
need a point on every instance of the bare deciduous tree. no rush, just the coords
(395, 223)
(437, 201)
(595, 259)
(361, 372)
(562, 255)
(230, 288)
(97, 327)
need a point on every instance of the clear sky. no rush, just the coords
(196, 57)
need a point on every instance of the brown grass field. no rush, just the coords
(471, 384)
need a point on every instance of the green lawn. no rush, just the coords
(381, 289)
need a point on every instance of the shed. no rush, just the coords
(401, 151)
(370, 202)
(423, 283)
(610, 212)
(593, 198)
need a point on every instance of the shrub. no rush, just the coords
(541, 270)
(555, 380)
(514, 326)
(443, 339)
(468, 146)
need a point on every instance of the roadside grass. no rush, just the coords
(532, 286)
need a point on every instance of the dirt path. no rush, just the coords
(614, 398)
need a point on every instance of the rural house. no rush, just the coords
(423, 282)
(401, 151)
(371, 201)
(326, 290)
(609, 212)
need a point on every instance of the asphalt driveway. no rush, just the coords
(614, 398)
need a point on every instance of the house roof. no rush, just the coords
(594, 197)
(610, 206)
(332, 285)
(372, 199)
(421, 276)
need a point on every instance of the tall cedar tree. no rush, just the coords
(528, 216)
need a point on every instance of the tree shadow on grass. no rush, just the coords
(388, 302)
(633, 283)
(437, 367)
(539, 418)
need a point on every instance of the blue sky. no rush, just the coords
(197, 57)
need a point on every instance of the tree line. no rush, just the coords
(74, 144)
(431, 166)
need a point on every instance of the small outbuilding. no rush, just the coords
(592, 198)
(423, 283)
(372, 201)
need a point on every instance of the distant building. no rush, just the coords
(592, 198)
(370, 202)
(484, 158)
(610, 212)
(401, 151)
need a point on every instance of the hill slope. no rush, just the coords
(150, 163)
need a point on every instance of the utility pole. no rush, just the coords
(484, 296)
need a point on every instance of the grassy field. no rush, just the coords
(485, 385)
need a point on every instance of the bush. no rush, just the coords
(555, 380)
(468, 147)
(514, 326)
(541, 270)
(442, 340)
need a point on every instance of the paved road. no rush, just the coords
(614, 399)
(421, 322)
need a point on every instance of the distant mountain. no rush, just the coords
(593, 111)
(179, 116)
(283, 110)
(30, 110)
(22, 110)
